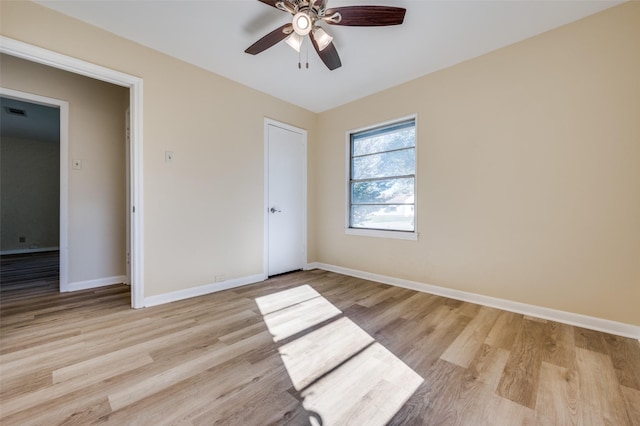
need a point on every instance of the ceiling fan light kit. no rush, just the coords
(295, 41)
(301, 23)
(322, 38)
(306, 16)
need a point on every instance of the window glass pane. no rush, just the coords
(389, 217)
(395, 163)
(389, 191)
(382, 177)
(379, 142)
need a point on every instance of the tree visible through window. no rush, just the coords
(382, 177)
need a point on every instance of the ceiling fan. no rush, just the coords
(308, 13)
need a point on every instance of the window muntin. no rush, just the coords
(382, 170)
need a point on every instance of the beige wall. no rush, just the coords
(528, 173)
(97, 137)
(203, 212)
(29, 193)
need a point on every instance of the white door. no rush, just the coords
(286, 198)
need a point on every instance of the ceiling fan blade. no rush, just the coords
(329, 54)
(271, 3)
(284, 5)
(366, 16)
(270, 39)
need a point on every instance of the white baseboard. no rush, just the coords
(202, 290)
(593, 323)
(99, 282)
(28, 250)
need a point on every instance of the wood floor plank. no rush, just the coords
(80, 350)
(632, 402)
(625, 356)
(259, 406)
(488, 365)
(512, 413)
(479, 405)
(252, 395)
(463, 401)
(23, 384)
(427, 398)
(427, 349)
(116, 327)
(87, 358)
(183, 401)
(215, 354)
(413, 330)
(559, 345)
(103, 366)
(464, 348)
(504, 331)
(558, 393)
(470, 309)
(599, 389)
(389, 311)
(89, 414)
(428, 304)
(375, 298)
(60, 388)
(590, 339)
(519, 382)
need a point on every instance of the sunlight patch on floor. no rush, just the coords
(343, 374)
(322, 350)
(292, 311)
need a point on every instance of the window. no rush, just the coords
(382, 179)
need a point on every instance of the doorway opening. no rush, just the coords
(135, 214)
(34, 136)
(29, 176)
(29, 194)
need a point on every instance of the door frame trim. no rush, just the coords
(47, 57)
(270, 122)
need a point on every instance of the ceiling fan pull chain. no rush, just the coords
(306, 49)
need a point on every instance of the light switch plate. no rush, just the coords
(77, 164)
(168, 156)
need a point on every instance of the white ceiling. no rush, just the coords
(40, 122)
(213, 34)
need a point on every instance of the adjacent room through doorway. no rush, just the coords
(63, 198)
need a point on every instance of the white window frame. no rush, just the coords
(380, 233)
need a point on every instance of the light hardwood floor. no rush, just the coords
(305, 348)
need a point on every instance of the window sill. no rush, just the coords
(398, 235)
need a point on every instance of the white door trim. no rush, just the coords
(63, 107)
(47, 57)
(265, 257)
(128, 202)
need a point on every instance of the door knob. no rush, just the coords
(274, 210)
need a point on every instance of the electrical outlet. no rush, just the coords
(220, 277)
(77, 164)
(22, 239)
